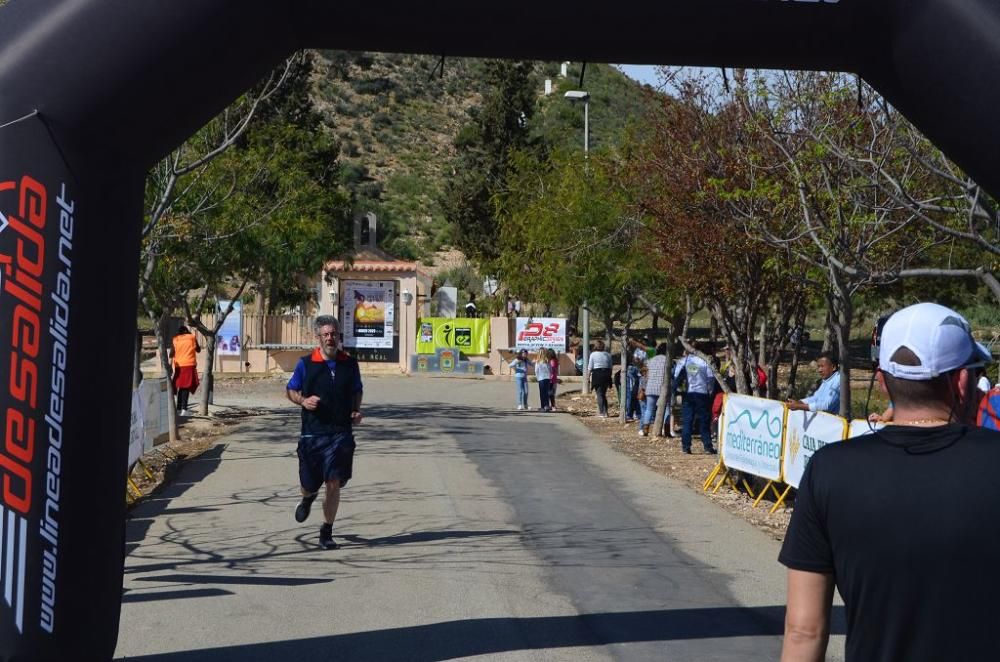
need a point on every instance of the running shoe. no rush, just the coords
(302, 510)
(326, 537)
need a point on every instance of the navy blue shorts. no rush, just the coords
(325, 457)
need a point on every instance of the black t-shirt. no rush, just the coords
(906, 521)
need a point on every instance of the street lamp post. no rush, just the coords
(580, 95)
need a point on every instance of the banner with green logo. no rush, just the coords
(470, 336)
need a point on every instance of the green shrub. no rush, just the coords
(373, 86)
(346, 108)
(381, 120)
(983, 316)
(351, 149)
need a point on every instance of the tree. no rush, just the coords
(829, 146)
(695, 156)
(263, 210)
(498, 126)
(568, 236)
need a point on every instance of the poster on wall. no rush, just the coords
(369, 313)
(229, 341)
(471, 336)
(541, 333)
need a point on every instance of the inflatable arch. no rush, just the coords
(94, 92)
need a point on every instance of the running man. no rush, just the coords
(327, 386)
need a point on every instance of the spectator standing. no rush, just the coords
(718, 393)
(544, 375)
(908, 561)
(696, 404)
(184, 353)
(827, 396)
(550, 355)
(519, 368)
(600, 376)
(470, 308)
(656, 370)
(641, 396)
(632, 373)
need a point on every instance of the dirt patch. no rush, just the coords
(663, 455)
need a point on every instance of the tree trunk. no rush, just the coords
(828, 328)
(800, 323)
(573, 321)
(208, 381)
(843, 318)
(623, 401)
(664, 404)
(762, 342)
(167, 369)
(609, 332)
(688, 314)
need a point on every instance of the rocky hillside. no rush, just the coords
(397, 116)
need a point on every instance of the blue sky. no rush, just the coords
(644, 73)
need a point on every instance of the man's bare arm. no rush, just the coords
(807, 618)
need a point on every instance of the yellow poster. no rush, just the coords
(470, 336)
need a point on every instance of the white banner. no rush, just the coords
(860, 427)
(752, 433)
(369, 311)
(137, 434)
(230, 338)
(153, 399)
(541, 332)
(806, 432)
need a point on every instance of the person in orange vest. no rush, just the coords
(184, 352)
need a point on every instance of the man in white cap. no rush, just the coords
(903, 521)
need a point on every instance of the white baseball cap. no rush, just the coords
(940, 338)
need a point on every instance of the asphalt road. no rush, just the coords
(469, 531)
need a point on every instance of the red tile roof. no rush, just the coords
(371, 266)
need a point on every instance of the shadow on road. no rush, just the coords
(175, 595)
(484, 636)
(190, 473)
(425, 536)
